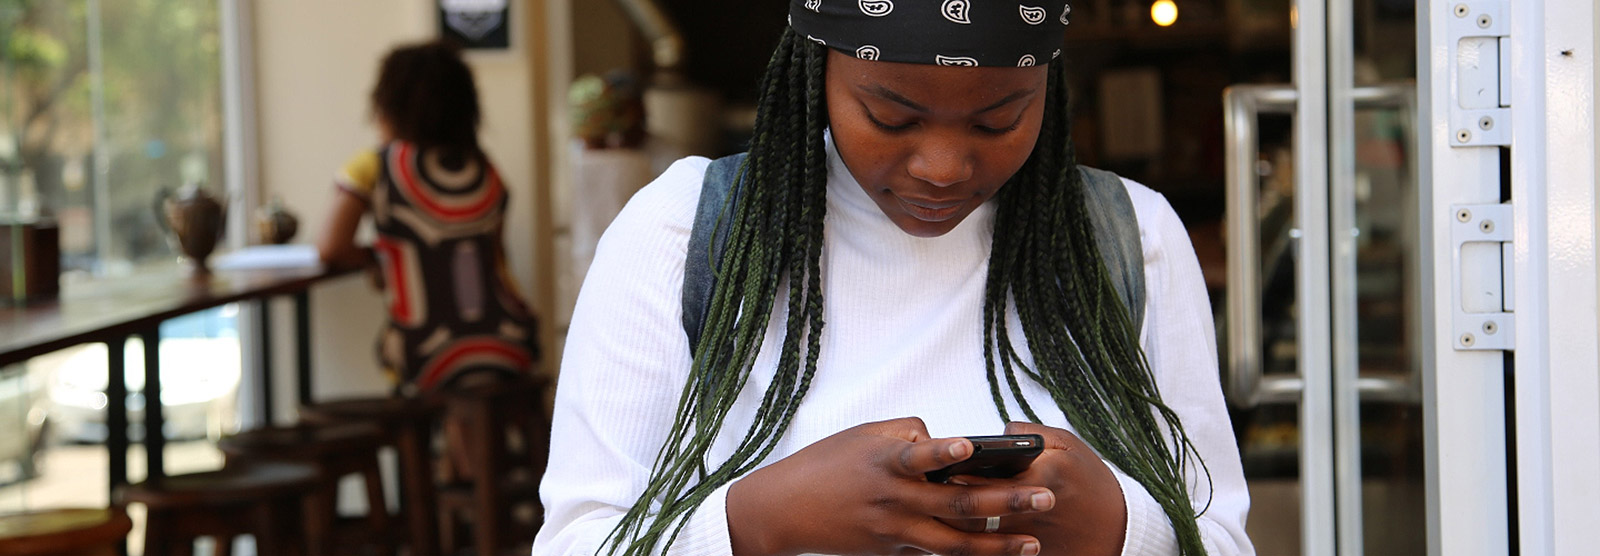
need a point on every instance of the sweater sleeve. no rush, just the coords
(1179, 340)
(623, 370)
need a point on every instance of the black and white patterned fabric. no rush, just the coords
(941, 32)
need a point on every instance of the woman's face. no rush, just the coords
(929, 143)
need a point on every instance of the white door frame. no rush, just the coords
(1555, 369)
(1463, 391)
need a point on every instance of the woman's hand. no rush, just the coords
(1089, 517)
(862, 491)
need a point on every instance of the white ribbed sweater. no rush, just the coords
(903, 338)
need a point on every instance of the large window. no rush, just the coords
(103, 105)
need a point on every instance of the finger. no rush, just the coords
(938, 538)
(977, 480)
(1023, 479)
(958, 502)
(968, 525)
(1054, 438)
(909, 429)
(918, 458)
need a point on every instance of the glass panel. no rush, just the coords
(1269, 434)
(103, 104)
(1148, 104)
(1388, 310)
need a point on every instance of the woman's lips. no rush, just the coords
(930, 211)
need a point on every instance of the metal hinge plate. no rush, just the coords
(1481, 236)
(1479, 41)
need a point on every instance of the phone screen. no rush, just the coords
(994, 456)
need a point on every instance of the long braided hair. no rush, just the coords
(1084, 345)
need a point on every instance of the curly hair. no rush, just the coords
(427, 96)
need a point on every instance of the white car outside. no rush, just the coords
(199, 388)
(22, 418)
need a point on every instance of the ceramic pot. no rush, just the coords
(275, 225)
(195, 220)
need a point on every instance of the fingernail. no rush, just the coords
(958, 450)
(1030, 548)
(1043, 500)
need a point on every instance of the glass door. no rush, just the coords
(1325, 327)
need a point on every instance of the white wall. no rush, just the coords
(584, 37)
(315, 65)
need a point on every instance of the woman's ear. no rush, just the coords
(385, 130)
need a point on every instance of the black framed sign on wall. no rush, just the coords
(477, 25)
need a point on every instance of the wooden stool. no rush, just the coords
(64, 532)
(262, 500)
(501, 474)
(336, 451)
(408, 425)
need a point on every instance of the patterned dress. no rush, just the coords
(452, 307)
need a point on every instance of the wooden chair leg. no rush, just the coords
(320, 515)
(377, 506)
(488, 449)
(158, 533)
(290, 518)
(536, 431)
(449, 532)
(271, 529)
(183, 547)
(417, 503)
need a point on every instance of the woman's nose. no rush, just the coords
(941, 162)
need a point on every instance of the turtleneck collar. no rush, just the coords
(847, 200)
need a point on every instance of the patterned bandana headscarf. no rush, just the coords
(943, 32)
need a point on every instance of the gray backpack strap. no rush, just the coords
(1116, 232)
(706, 241)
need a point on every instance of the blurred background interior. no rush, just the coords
(104, 103)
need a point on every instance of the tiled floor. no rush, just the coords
(1393, 525)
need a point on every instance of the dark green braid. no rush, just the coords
(1065, 301)
(1084, 344)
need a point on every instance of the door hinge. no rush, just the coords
(1482, 277)
(1479, 37)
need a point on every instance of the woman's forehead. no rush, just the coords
(927, 85)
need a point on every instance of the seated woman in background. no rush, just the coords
(439, 208)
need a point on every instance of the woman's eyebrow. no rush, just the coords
(1013, 97)
(887, 94)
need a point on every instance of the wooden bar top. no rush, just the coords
(99, 308)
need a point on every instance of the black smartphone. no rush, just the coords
(994, 456)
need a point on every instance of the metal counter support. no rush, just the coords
(302, 344)
(264, 357)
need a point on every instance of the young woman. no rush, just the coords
(909, 259)
(438, 206)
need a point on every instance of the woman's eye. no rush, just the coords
(888, 127)
(1000, 130)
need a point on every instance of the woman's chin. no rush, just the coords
(916, 227)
